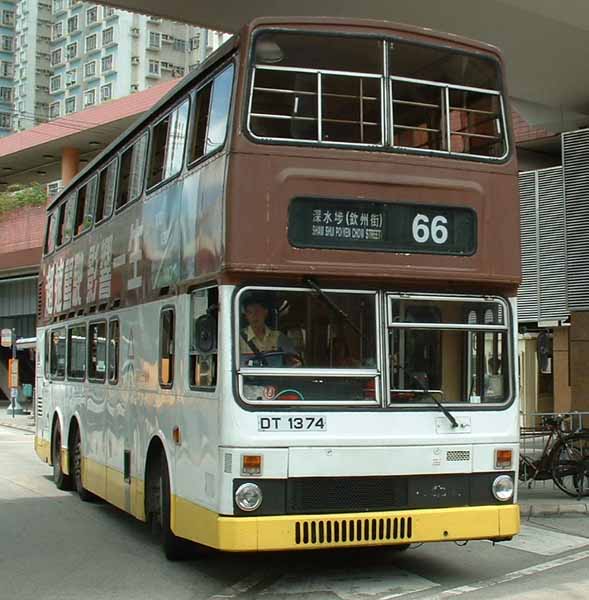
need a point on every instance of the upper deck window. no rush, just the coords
(318, 88)
(106, 191)
(132, 172)
(445, 100)
(50, 233)
(210, 114)
(86, 206)
(335, 90)
(167, 147)
(65, 220)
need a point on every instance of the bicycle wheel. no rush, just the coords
(570, 464)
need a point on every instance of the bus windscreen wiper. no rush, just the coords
(446, 412)
(344, 315)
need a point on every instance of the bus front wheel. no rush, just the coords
(62, 480)
(175, 548)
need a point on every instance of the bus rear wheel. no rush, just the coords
(85, 495)
(60, 478)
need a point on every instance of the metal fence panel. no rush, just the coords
(576, 185)
(552, 245)
(527, 298)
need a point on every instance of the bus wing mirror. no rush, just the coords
(205, 334)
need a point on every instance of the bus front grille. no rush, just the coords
(349, 531)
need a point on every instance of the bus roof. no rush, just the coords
(374, 25)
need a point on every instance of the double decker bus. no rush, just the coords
(279, 311)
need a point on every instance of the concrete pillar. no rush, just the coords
(70, 164)
(579, 358)
(560, 369)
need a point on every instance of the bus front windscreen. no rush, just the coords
(307, 346)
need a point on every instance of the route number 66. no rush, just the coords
(423, 230)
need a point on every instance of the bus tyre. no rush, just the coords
(84, 494)
(174, 547)
(61, 480)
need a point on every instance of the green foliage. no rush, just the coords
(18, 195)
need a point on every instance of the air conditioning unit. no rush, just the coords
(134, 87)
(135, 60)
(53, 188)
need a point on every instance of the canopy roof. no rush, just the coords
(543, 41)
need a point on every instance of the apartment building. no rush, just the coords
(7, 19)
(31, 63)
(58, 57)
(99, 53)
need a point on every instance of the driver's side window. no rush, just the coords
(204, 323)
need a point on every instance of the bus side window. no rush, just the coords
(167, 147)
(97, 352)
(113, 351)
(46, 371)
(50, 233)
(85, 207)
(131, 172)
(166, 361)
(65, 220)
(204, 310)
(57, 354)
(76, 355)
(210, 115)
(106, 192)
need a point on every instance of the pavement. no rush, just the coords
(543, 499)
(23, 422)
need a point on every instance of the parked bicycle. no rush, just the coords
(564, 458)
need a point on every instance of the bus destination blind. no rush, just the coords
(382, 227)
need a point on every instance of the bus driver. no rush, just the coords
(261, 346)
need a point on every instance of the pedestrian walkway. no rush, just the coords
(24, 422)
(545, 499)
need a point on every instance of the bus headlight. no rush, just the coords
(248, 497)
(503, 488)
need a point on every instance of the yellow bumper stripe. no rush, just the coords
(299, 532)
(43, 449)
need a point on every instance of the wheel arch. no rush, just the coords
(155, 450)
(56, 421)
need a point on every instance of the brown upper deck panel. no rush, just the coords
(231, 213)
(264, 178)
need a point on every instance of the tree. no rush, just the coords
(19, 195)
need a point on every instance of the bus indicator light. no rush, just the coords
(177, 436)
(503, 459)
(251, 465)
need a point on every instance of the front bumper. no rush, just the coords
(302, 532)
